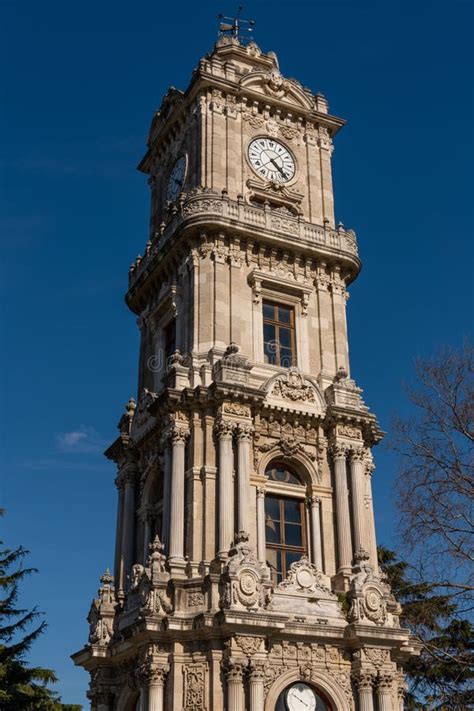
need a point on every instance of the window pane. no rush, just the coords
(269, 353)
(292, 511)
(272, 507)
(286, 358)
(268, 332)
(293, 535)
(284, 314)
(272, 531)
(273, 560)
(285, 337)
(268, 311)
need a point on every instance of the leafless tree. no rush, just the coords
(435, 485)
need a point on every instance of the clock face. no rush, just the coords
(176, 179)
(271, 160)
(300, 697)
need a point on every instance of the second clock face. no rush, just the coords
(271, 160)
(176, 179)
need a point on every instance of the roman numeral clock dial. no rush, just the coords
(271, 160)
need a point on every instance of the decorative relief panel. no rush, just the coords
(195, 686)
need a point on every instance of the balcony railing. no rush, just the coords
(198, 207)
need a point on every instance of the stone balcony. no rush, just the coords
(205, 208)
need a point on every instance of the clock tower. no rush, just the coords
(245, 574)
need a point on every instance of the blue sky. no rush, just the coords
(79, 87)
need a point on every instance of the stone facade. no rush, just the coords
(193, 618)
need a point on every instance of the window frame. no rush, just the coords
(277, 324)
(286, 491)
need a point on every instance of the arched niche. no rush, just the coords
(320, 681)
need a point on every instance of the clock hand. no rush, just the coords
(277, 167)
(300, 699)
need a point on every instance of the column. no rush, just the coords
(118, 533)
(358, 508)
(315, 503)
(226, 488)
(401, 691)
(371, 521)
(384, 692)
(235, 689)
(156, 689)
(146, 535)
(104, 701)
(176, 539)
(342, 509)
(244, 435)
(261, 539)
(256, 679)
(165, 523)
(365, 685)
(128, 529)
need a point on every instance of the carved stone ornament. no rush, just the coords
(102, 612)
(349, 431)
(236, 408)
(147, 594)
(243, 580)
(232, 367)
(304, 577)
(293, 386)
(377, 656)
(370, 596)
(194, 684)
(142, 420)
(125, 423)
(249, 645)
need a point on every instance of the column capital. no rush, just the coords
(338, 450)
(244, 431)
(224, 429)
(357, 454)
(234, 670)
(178, 436)
(384, 682)
(152, 674)
(257, 670)
(314, 500)
(364, 680)
(261, 491)
(129, 476)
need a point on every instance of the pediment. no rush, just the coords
(272, 84)
(296, 391)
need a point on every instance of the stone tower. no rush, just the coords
(245, 571)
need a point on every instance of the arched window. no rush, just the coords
(285, 521)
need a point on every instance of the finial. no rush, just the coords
(107, 578)
(235, 26)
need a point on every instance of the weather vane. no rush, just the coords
(235, 26)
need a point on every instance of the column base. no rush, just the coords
(342, 580)
(177, 567)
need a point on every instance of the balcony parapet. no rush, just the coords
(200, 207)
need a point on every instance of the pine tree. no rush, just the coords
(441, 678)
(22, 687)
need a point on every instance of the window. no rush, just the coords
(279, 334)
(170, 340)
(285, 532)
